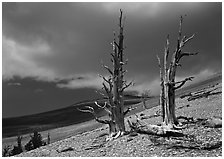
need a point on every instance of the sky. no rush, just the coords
(52, 52)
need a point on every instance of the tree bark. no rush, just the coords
(114, 87)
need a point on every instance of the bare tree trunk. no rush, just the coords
(114, 87)
(162, 95)
(169, 77)
(168, 86)
(143, 102)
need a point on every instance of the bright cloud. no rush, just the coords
(84, 81)
(19, 59)
(153, 87)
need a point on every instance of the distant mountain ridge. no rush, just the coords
(56, 118)
(70, 115)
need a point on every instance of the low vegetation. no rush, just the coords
(35, 142)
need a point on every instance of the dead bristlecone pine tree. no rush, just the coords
(170, 124)
(114, 86)
(168, 83)
(144, 96)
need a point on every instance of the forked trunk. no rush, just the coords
(167, 78)
(167, 94)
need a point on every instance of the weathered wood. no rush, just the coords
(169, 77)
(162, 95)
(114, 86)
(202, 94)
(144, 128)
(168, 86)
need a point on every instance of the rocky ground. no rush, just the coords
(201, 140)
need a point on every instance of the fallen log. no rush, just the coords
(158, 130)
(65, 149)
(208, 146)
(202, 94)
(185, 95)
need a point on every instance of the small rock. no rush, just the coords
(129, 139)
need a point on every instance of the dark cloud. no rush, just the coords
(35, 96)
(56, 41)
(78, 34)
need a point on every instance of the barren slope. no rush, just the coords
(93, 143)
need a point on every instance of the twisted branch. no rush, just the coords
(103, 107)
(126, 85)
(128, 110)
(92, 111)
(182, 82)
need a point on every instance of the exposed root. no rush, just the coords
(114, 136)
(179, 127)
(117, 135)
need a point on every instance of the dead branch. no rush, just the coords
(108, 69)
(108, 90)
(182, 82)
(185, 40)
(103, 107)
(92, 111)
(126, 86)
(128, 110)
(109, 80)
(186, 54)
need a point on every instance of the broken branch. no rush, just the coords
(128, 110)
(92, 111)
(183, 82)
(186, 54)
(108, 69)
(126, 85)
(103, 107)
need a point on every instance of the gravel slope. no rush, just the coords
(92, 143)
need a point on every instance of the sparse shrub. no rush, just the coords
(17, 149)
(35, 141)
(6, 151)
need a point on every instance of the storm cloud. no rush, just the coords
(55, 41)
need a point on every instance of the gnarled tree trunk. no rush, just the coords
(168, 86)
(114, 87)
